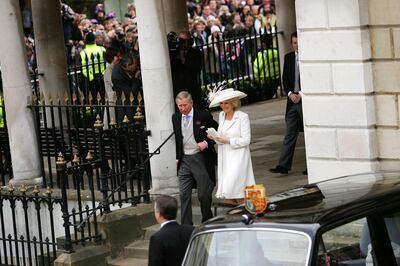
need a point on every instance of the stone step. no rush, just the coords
(196, 216)
(137, 252)
(138, 249)
(127, 262)
(151, 230)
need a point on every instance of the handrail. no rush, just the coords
(82, 224)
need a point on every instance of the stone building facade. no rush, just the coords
(350, 75)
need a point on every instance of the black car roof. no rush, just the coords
(321, 203)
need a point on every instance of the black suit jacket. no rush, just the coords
(289, 65)
(186, 76)
(201, 121)
(168, 246)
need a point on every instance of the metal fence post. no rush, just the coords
(98, 125)
(142, 153)
(62, 176)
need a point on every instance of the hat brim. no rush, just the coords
(227, 96)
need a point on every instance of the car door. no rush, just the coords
(373, 239)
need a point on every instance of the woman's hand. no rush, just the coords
(222, 139)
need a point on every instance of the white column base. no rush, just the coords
(28, 182)
(164, 185)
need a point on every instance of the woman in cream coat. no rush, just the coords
(235, 170)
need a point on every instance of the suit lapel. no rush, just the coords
(196, 123)
(179, 123)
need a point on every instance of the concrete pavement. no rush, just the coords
(268, 129)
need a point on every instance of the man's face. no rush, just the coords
(249, 21)
(294, 44)
(206, 10)
(213, 5)
(132, 67)
(184, 105)
(156, 213)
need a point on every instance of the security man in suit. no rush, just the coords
(294, 112)
(168, 246)
(195, 155)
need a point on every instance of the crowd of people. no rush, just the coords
(229, 17)
(208, 21)
(109, 32)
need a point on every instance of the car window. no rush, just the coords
(345, 245)
(392, 222)
(248, 247)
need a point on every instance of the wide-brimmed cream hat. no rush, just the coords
(225, 95)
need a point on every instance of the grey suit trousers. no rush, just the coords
(193, 169)
(294, 122)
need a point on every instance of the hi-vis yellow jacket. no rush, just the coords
(1, 112)
(266, 65)
(92, 60)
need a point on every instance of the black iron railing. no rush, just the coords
(114, 172)
(130, 186)
(28, 221)
(69, 127)
(250, 62)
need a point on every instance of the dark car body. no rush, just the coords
(353, 220)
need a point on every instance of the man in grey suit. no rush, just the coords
(195, 155)
(294, 112)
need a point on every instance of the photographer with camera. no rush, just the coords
(126, 80)
(67, 18)
(185, 65)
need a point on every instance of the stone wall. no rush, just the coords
(384, 29)
(339, 79)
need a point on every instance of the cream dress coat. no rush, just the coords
(235, 170)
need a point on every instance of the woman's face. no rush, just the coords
(236, 19)
(227, 107)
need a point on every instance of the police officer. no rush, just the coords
(93, 67)
(266, 64)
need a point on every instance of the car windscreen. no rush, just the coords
(248, 247)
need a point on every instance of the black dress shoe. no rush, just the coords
(279, 169)
(305, 172)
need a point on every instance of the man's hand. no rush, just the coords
(295, 98)
(138, 74)
(201, 146)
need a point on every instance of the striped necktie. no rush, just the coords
(296, 74)
(186, 120)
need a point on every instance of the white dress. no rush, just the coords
(235, 170)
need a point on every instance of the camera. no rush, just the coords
(173, 41)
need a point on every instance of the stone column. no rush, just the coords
(175, 15)
(158, 92)
(336, 79)
(50, 51)
(286, 23)
(17, 92)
